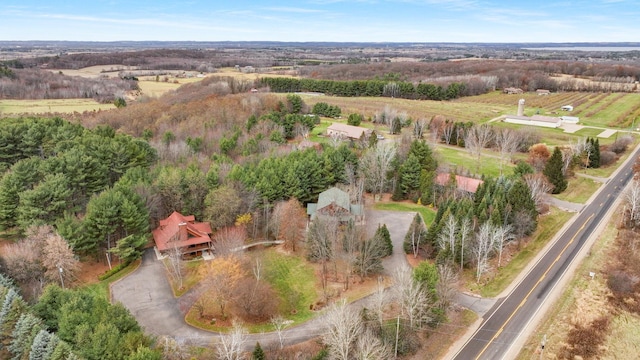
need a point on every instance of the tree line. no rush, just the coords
(375, 88)
(42, 84)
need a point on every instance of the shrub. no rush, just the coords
(113, 271)
(355, 119)
(621, 144)
(607, 158)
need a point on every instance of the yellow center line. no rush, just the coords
(533, 288)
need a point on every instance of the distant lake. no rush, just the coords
(588, 48)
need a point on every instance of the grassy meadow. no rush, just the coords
(51, 106)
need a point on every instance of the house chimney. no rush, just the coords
(521, 107)
(182, 231)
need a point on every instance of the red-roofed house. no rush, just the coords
(184, 233)
(463, 183)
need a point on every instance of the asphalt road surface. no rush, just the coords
(505, 322)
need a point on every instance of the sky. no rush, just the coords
(466, 21)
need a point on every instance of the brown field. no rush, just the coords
(585, 300)
(51, 106)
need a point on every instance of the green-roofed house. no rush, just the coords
(335, 202)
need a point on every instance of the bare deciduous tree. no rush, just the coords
(379, 301)
(59, 261)
(343, 326)
(568, 156)
(632, 202)
(230, 346)
(369, 346)
(175, 264)
(356, 183)
(229, 240)
(464, 232)
(419, 127)
(369, 258)
(445, 288)
(501, 235)
(293, 220)
(448, 236)
(539, 187)
(376, 164)
(481, 249)
(507, 141)
(279, 325)
(477, 138)
(321, 242)
(414, 301)
(447, 131)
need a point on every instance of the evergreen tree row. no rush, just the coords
(375, 88)
(301, 174)
(501, 202)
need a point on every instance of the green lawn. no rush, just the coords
(588, 132)
(461, 158)
(548, 226)
(579, 190)
(427, 213)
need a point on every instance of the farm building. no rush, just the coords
(535, 120)
(511, 91)
(543, 92)
(570, 119)
(347, 131)
(335, 202)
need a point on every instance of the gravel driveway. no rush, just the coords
(398, 223)
(147, 294)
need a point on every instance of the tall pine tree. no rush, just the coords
(553, 172)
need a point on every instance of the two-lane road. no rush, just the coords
(505, 322)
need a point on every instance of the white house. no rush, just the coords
(535, 120)
(570, 119)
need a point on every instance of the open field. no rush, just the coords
(617, 110)
(452, 110)
(152, 88)
(272, 72)
(461, 158)
(51, 106)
